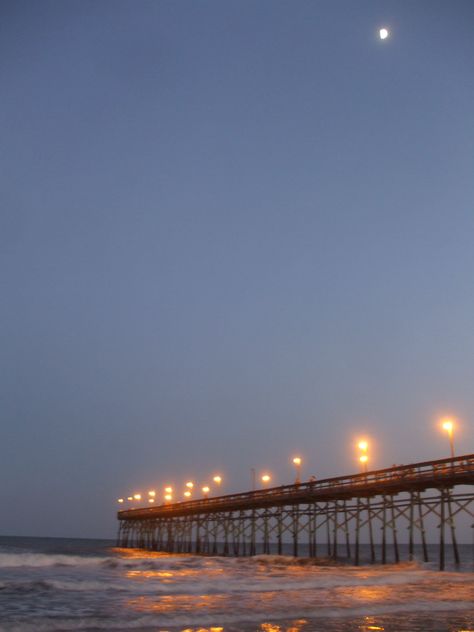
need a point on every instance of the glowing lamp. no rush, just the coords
(447, 425)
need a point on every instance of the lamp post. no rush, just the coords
(217, 479)
(266, 478)
(297, 462)
(205, 490)
(448, 426)
(363, 446)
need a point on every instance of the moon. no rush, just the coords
(383, 33)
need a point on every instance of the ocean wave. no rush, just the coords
(16, 560)
(19, 587)
(238, 621)
(235, 566)
(23, 587)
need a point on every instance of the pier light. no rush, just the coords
(168, 497)
(152, 493)
(137, 496)
(297, 463)
(151, 500)
(363, 446)
(217, 479)
(129, 497)
(168, 490)
(205, 490)
(189, 484)
(266, 478)
(447, 425)
(120, 500)
(187, 493)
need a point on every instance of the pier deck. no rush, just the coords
(342, 507)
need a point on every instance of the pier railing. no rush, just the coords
(441, 473)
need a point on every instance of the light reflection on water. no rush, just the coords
(175, 574)
(295, 626)
(159, 592)
(334, 595)
(369, 624)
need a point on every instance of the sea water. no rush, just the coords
(59, 584)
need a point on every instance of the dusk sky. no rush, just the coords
(230, 232)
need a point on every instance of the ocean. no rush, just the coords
(53, 584)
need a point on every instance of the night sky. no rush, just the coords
(230, 232)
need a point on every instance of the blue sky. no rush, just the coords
(230, 232)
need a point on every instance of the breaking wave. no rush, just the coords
(116, 589)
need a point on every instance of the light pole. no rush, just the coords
(205, 490)
(266, 478)
(297, 462)
(252, 476)
(448, 426)
(364, 457)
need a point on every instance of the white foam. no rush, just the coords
(15, 560)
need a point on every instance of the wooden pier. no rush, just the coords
(330, 517)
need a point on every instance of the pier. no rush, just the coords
(330, 517)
